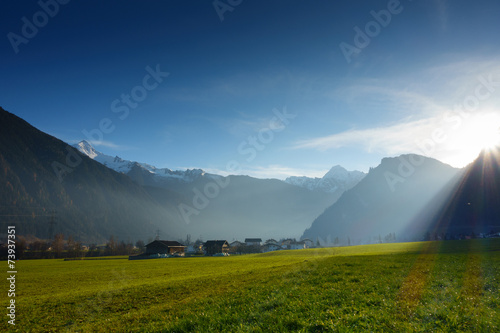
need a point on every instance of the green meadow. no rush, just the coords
(450, 286)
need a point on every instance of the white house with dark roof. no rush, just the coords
(269, 246)
(253, 241)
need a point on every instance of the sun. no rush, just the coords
(484, 132)
(474, 135)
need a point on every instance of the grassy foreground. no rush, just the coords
(430, 286)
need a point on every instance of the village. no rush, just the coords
(169, 249)
(71, 249)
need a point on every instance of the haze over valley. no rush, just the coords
(96, 196)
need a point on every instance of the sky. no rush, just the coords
(269, 89)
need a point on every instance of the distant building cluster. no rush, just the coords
(169, 249)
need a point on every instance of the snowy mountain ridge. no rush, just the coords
(337, 178)
(124, 166)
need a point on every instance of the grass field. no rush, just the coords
(430, 286)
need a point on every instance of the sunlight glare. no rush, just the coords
(485, 132)
(477, 133)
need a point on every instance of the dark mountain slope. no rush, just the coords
(40, 174)
(390, 199)
(474, 203)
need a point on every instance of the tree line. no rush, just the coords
(59, 247)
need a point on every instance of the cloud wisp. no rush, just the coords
(392, 139)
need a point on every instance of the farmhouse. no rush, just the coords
(292, 244)
(270, 246)
(165, 247)
(236, 244)
(253, 241)
(296, 246)
(212, 247)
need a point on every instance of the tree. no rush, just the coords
(70, 243)
(111, 246)
(39, 248)
(58, 245)
(20, 247)
(74, 249)
(390, 238)
(140, 245)
(93, 251)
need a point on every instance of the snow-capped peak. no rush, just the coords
(86, 148)
(124, 166)
(336, 178)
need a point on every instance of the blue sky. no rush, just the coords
(422, 77)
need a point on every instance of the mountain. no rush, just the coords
(473, 205)
(242, 206)
(48, 187)
(155, 176)
(238, 207)
(397, 197)
(334, 180)
(337, 180)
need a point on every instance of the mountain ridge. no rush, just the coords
(93, 202)
(45, 177)
(388, 200)
(124, 166)
(337, 178)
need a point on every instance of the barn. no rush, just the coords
(165, 247)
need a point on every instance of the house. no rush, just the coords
(165, 247)
(236, 247)
(253, 241)
(287, 242)
(213, 247)
(236, 244)
(297, 246)
(292, 244)
(309, 243)
(269, 246)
